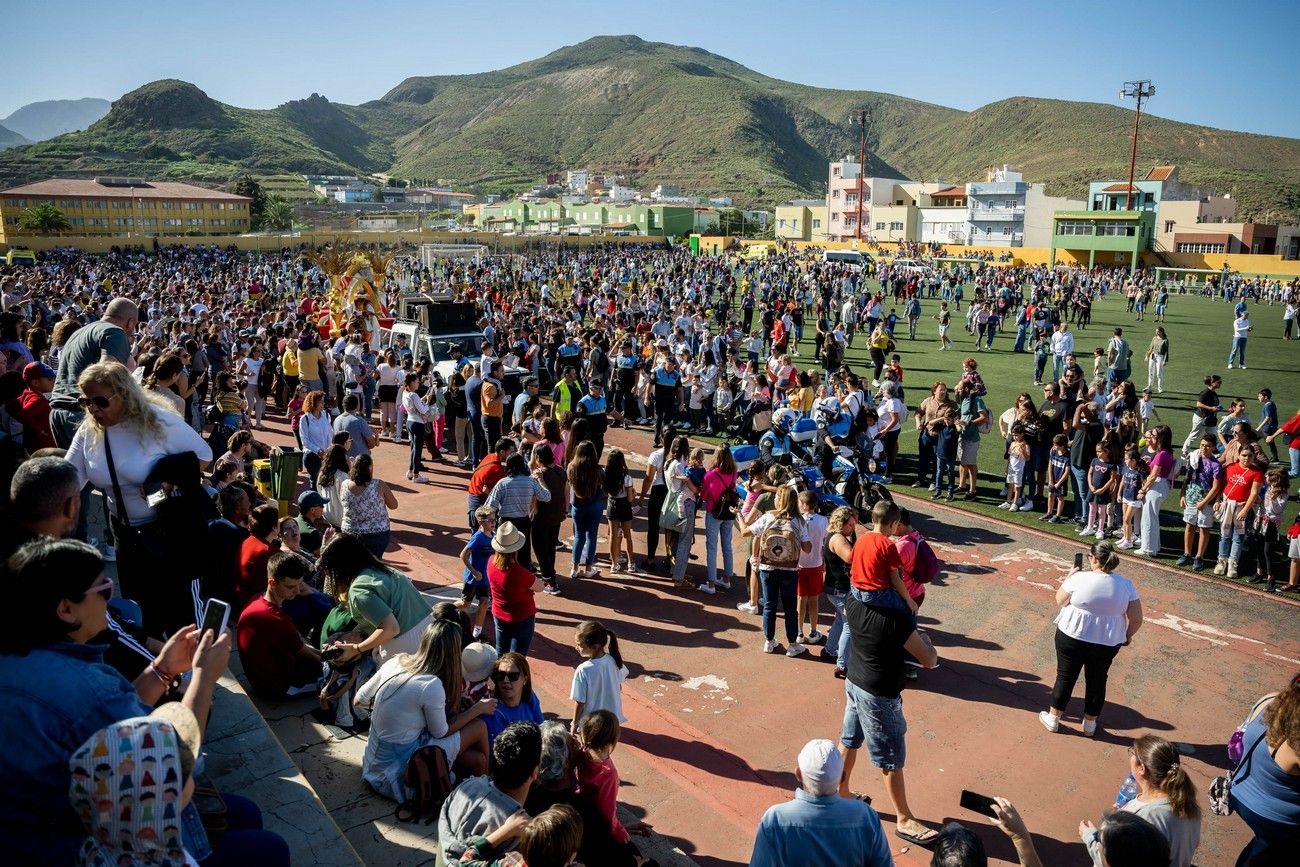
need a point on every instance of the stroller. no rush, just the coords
(752, 422)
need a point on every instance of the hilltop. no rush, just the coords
(659, 113)
(38, 121)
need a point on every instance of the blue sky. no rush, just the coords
(1210, 65)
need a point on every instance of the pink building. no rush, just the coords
(843, 186)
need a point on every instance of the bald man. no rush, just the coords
(110, 337)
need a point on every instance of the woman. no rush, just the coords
(54, 679)
(878, 343)
(232, 409)
(289, 369)
(124, 435)
(516, 701)
(167, 369)
(332, 477)
(419, 419)
(315, 432)
(1242, 486)
(587, 502)
(622, 502)
(516, 496)
(780, 583)
(719, 485)
(513, 586)
(388, 375)
(1166, 798)
(1156, 487)
(255, 553)
(1157, 357)
(1100, 613)
(553, 436)
(366, 504)
(837, 556)
(383, 602)
(971, 415)
(1266, 782)
(251, 370)
(458, 418)
(412, 701)
(890, 416)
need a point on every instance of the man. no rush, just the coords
(492, 398)
(566, 394)
(110, 337)
(1062, 345)
(593, 408)
(626, 364)
(669, 396)
(517, 412)
(481, 805)
(276, 660)
(1241, 329)
(819, 827)
(44, 500)
(1117, 358)
(33, 409)
(878, 636)
(311, 521)
(225, 539)
(357, 428)
(490, 470)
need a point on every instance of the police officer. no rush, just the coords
(774, 445)
(832, 432)
(593, 408)
(626, 365)
(670, 398)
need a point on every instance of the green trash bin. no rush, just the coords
(285, 464)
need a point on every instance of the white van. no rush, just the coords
(847, 257)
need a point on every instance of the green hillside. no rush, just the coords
(660, 114)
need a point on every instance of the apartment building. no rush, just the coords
(129, 207)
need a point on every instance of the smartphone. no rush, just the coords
(215, 617)
(1078, 560)
(978, 803)
(331, 654)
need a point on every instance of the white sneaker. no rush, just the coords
(707, 589)
(1089, 728)
(747, 607)
(1004, 505)
(1101, 534)
(1051, 723)
(1243, 367)
(1084, 531)
(1124, 543)
(795, 649)
(1229, 367)
(769, 647)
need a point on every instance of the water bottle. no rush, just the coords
(1127, 791)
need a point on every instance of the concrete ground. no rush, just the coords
(715, 725)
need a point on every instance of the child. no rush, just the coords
(1058, 478)
(697, 403)
(598, 682)
(1098, 363)
(295, 412)
(944, 433)
(945, 317)
(812, 571)
(1147, 409)
(1293, 553)
(1042, 349)
(598, 778)
(895, 369)
(1017, 458)
(1202, 484)
(971, 375)
(1131, 477)
(722, 403)
(1268, 527)
(881, 582)
(695, 468)
(475, 556)
(755, 346)
(1101, 481)
(476, 662)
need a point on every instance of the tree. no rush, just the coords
(731, 221)
(247, 186)
(43, 219)
(278, 214)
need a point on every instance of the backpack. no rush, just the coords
(926, 566)
(728, 503)
(428, 773)
(779, 545)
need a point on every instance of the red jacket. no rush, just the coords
(33, 410)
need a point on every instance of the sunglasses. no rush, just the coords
(103, 588)
(98, 400)
(510, 676)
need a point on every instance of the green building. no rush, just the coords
(1103, 237)
(552, 217)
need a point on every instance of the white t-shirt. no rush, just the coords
(675, 473)
(817, 525)
(889, 409)
(797, 522)
(1098, 604)
(1240, 327)
(598, 684)
(389, 374)
(656, 463)
(405, 704)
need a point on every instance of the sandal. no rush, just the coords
(921, 840)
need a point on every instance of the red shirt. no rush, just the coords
(874, 557)
(254, 554)
(512, 592)
(1292, 430)
(598, 782)
(33, 410)
(268, 647)
(1239, 482)
(490, 471)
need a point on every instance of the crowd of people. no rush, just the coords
(146, 376)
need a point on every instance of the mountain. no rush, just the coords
(38, 121)
(9, 138)
(660, 114)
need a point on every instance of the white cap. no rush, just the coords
(821, 766)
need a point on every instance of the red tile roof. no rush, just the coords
(1161, 173)
(1117, 188)
(91, 189)
(949, 192)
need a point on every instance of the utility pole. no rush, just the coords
(1138, 90)
(863, 118)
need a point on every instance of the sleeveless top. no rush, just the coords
(837, 570)
(364, 512)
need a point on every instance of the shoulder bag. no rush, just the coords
(1220, 791)
(128, 537)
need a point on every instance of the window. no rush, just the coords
(895, 227)
(817, 224)
(835, 172)
(1116, 230)
(1073, 227)
(780, 224)
(1006, 231)
(835, 217)
(1202, 248)
(880, 227)
(1169, 226)
(69, 203)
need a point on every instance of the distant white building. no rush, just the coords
(620, 193)
(666, 192)
(577, 179)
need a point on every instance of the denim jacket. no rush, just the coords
(813, 830)
(51, 701)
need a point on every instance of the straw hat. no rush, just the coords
(507, 539)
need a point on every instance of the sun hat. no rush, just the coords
(476, 661)
(507, 539)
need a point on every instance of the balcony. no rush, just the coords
(978, 215)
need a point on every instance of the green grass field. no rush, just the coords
(1199, 331)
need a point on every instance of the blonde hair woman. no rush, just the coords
(125, 433)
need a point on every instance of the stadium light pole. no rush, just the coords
(862, 119)
(1139, 90)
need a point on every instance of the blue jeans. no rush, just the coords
(685, 539)
(1077, 475)
(586, 521)
(245, 843)
(780, 585)
(887, 598)
(877, 721)
(837, 637)
(516, 635)
(1238, 352)
(716, 531)
(947, 466)
(1295, 462)
(376, 543)
(1230, 538)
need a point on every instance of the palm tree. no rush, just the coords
(278, 214)
(43, 219)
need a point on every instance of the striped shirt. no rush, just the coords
(512, 497)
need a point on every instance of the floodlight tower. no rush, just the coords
(1138, 90)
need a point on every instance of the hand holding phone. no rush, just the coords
(1078, 560)
(982, 804)
(215, 618)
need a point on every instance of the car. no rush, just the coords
(847, 257)
(20, 256)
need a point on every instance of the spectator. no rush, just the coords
(312, 526)
(383, 602)
(332, 477)
(550, 514)
(109, 338)
(516, 701)
(819, 827)
(275, 659)
(33, 409)
(362, 436)
(515, 497)
(315, 432)
(44, 500)
(598, 778)
(489, 471)
(513, 586)
(366, 504)
(481, 805)
(255, 552)
(1266, 782)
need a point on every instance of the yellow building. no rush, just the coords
(128, 207)
(802, 220)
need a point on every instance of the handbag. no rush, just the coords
(1220, 792)
(670, 517)
(128, 537)
(1235, 741)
